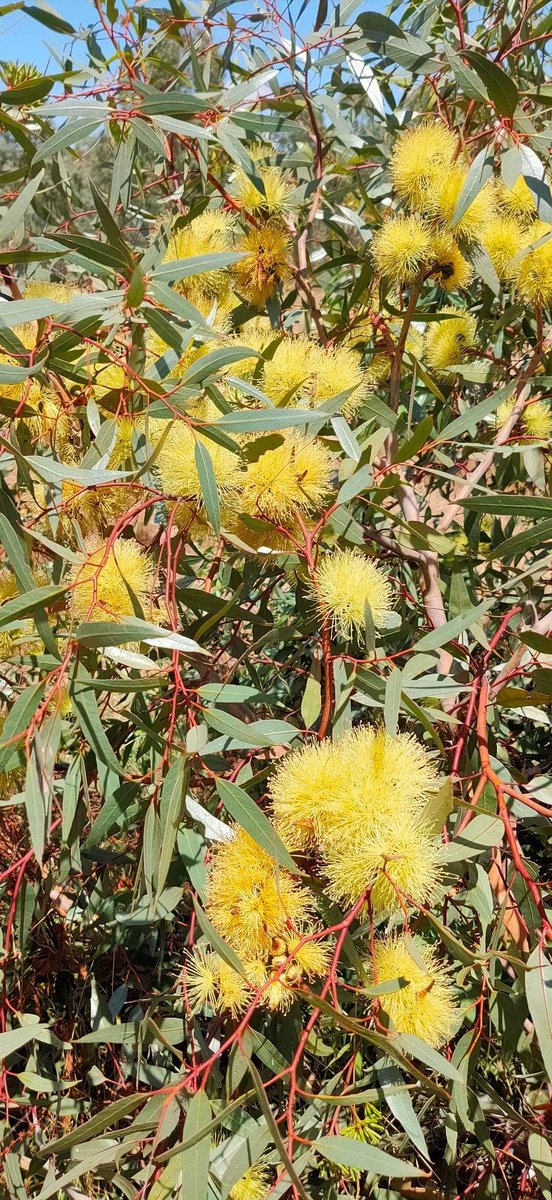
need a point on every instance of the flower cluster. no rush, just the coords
(268, 919)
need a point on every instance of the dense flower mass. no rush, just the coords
(275, 428)
(345, 585)
(423, 1003)
(360, 803)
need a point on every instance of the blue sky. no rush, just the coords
(26, 40)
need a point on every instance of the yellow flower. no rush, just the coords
(210, 981)
(258, 334)
(251, 900)
(45, 290)
(111, 377)
(395, 856)
(176, 460)
(253, 1185)
(449, 267)
(22, 640)
(347, 581)
(211, 233)
(401, 249)
(425, 1006)
(503, 238)
(201, 975)
(536, 418)
(311, 959)
(289, 375)
(277, 192)
(444, 201)
(266, 263)
(94, 509)
(127, 430)
(533, 273)
(108, 583)
(517, 202)
(420, 158)
(302, 372)
(346, 787)
(51, 422)
(295, 474)
(379, 368)
(446, 341)
(233, 993)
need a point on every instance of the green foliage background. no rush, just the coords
(145, 119)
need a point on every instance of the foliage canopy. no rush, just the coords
(275, 776)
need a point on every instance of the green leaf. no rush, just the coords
(251, 818)
(14, 1039)
(347, 1152)
(49, 17)
(452, 629)
(471, 416)
(86, 711)
(29, 603)
(11, 219)
(540, 1153)
(392, 700)
(73, 132)
(520, 543)
(226, 952)
(538, 990)
(536, 641)
(98, 634)
(195, 1160)
(507, 505)
(274, 1131)
(478, 175)
(400, 1105)
(184, 268)
(257, 733)
(414, 444)
(170, 812)
(39, 783)
(501, 90)
(483, 832)
(208, 484)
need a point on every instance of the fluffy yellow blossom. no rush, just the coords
(302, 372)
(176, 460)
(517, 202)
(108, 583)
(346, 787)
(254, 1185)
(45, 290)
(448, 266)
(424, 1006)
(211, 233)
(396, 856)
(274, 202)
(50, 422)
(503, 238)
(258, 334)
(402, 248)
(293, 474)
(446, 341)
(21, 640)
(28, 390)
(379, 368)
(473, 221)
(347, 581)
(266, 263)
(109, 378)
(533, 273)
(94, 509)
(289, 375)
(128, 429)
(420, 158)
(201, 974)
(535, 420)
(251, 900)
